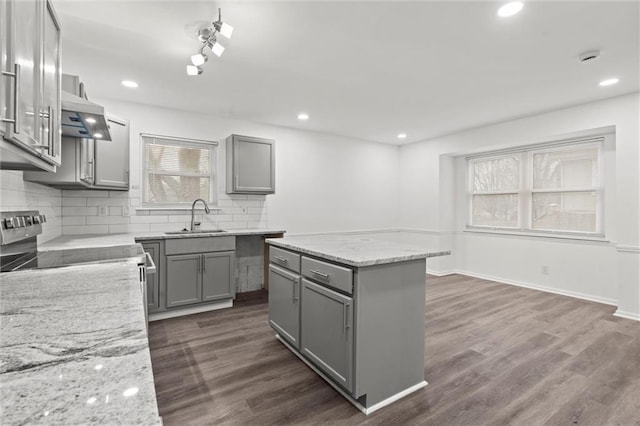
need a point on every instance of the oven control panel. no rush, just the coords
(20, 225)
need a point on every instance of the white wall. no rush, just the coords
(595, 271)
(15, 194)
(323, 183)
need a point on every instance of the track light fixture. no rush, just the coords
(207, 36)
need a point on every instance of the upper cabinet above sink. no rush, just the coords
(250, 165)
(29, 85)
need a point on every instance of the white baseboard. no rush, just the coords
(188, 311)
(440, 273)
(627, 315)
(577, 295)
(365, 410)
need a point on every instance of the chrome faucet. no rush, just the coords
(193, 208)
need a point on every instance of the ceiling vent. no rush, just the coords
(589, 56)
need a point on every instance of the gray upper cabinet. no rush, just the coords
(112, 157)
(30, 83)
(284, 304)
(91, 164)
(327, 332)
(250, 165)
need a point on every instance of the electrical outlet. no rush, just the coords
(545, 270)
(244, 210)
(102, 210)
(125, 211)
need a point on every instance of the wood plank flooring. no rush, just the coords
(495, 355)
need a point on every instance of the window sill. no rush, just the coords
(171, 210)
(597, 238)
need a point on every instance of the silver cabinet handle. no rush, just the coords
(345, 308)
(46, 146)
(52, 129)
(236, 179)
(295, 285)
(204, 266)
(16, 96)
(320, 274)
(281, 259)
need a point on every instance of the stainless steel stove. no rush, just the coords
(18, 237)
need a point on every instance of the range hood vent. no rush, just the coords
(81, 118)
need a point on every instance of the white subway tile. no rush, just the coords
(86, 229)
(74, 201)
(83, 193)
(121, 229)
(149, 219)
(106, 220)
(115, 211)
(72, 220)
(79, 211)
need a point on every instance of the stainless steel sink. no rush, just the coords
(199, 231)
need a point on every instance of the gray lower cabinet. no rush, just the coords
(327, 332)
(153, 280)
(284, 304)
(217, 276)
(195, 278)
(361, 328)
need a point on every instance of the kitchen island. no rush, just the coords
(352, 308)
(74, 347)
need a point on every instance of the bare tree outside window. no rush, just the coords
(495, 192)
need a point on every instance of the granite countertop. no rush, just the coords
(105, 240)
(74, 347)
(355, 250)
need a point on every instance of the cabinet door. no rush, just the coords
(5, 81)
(86, 160)
(284, 304)
(327, 332)
(24, 18)
(112, 157)
(153, 280)
(184, 279)
(50, 105)
(218, 277)
(253, 165)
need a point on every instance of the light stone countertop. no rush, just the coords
(73, 347)
(355, 250)
(105, 240)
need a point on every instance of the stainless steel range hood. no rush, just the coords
(81, 118)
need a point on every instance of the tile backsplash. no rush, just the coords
(114, 212)
(16, 194)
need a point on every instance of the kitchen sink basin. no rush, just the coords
(199, 231)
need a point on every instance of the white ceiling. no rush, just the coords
(366, 70)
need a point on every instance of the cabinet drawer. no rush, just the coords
(199, 245)
(284, 258)
(329, 274)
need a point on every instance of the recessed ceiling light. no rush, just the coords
(129, 83)
(609, 81)
(303, 116)
(510, 9)
(402, 135)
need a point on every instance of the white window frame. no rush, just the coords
(212, 146)
(526, 190)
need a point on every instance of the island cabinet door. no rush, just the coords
(184, 276)
(327, 332)
(218, 270)
(284, 304)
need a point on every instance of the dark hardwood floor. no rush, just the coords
(495, 355)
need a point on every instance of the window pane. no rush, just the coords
(576, 168)
(495, 210)
(501, 174)
(176, 189)
(565, 211)
(175, 158)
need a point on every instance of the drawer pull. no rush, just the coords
(320, 274)
(295, 285)
(281, 259)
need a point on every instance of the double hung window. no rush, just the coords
(176, 171)
(553, 188)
